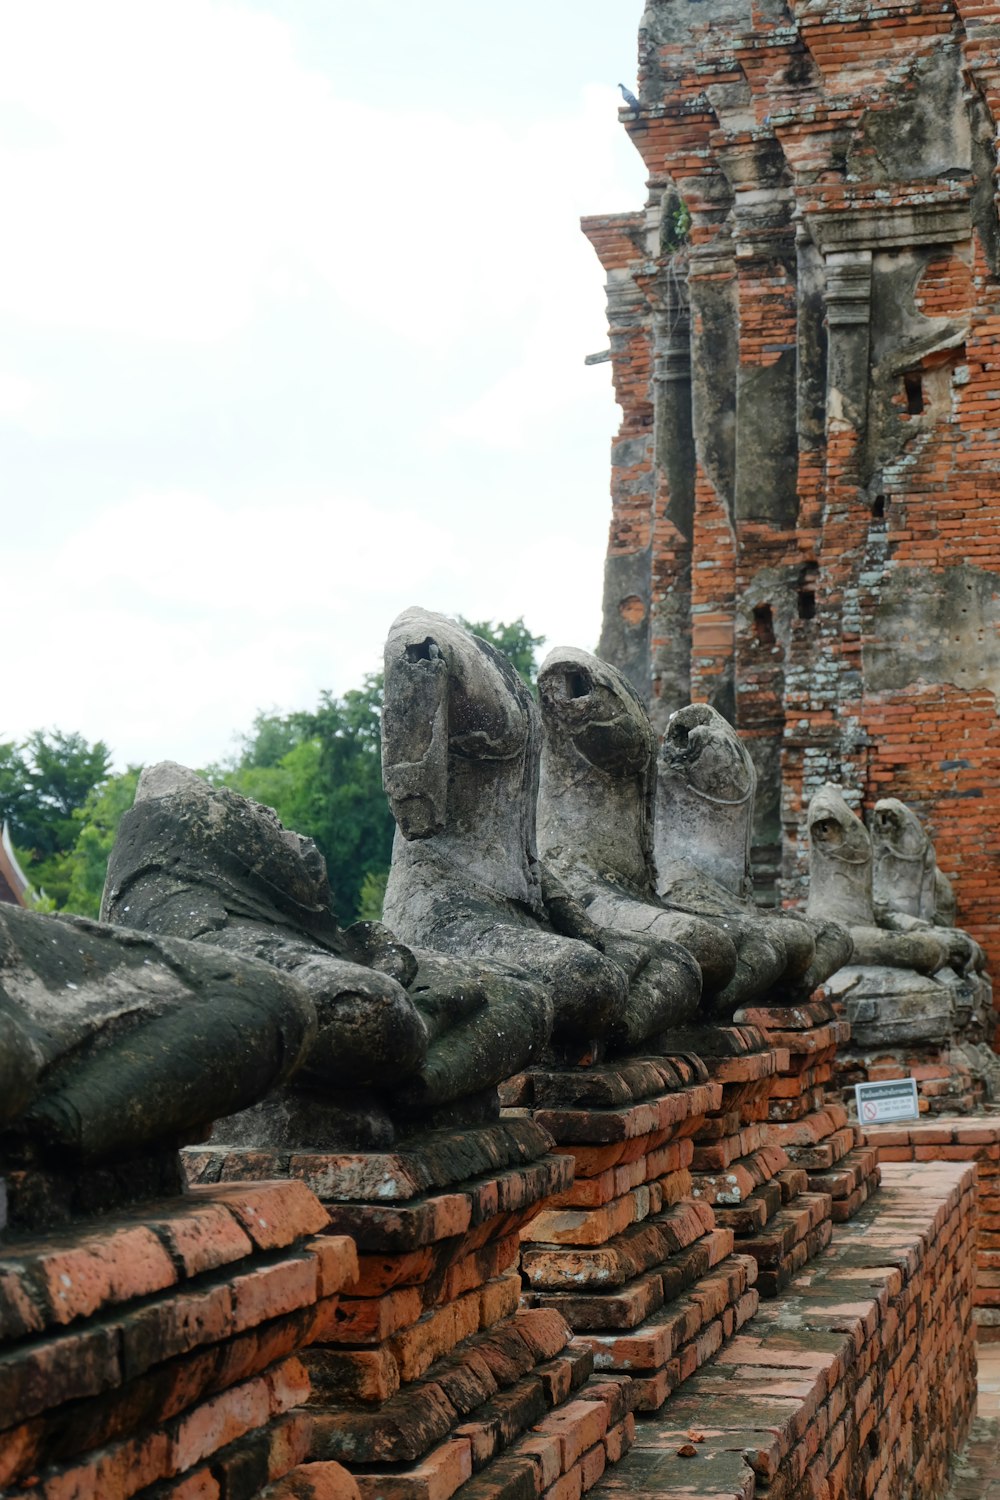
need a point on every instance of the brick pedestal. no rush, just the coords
(158, 1352)
(804, 1117)
(753, 1185)
(429, 1376)
(634, 1262)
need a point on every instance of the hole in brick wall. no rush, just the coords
(913, 385)
(763, 624)
(878, 507)
(808, 579)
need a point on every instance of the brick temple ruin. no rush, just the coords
(805, 336)
(550, 1185)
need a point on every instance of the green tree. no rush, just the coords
(44, 782)
(515, 641)
(86, 864)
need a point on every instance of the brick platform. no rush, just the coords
(961, 1139)
(156, 1353)
(804, 1119)
(636, 1265)
(428, 1377)
(858, 1384)
(751, 1179)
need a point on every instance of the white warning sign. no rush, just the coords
(878, 1103)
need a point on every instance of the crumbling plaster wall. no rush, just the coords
(806, 500)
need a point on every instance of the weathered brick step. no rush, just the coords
(742, 1177)
(592, 1192)
(374, 1372)
(257, 1410)
(637, 1249)
(805, 1017)
(600, 1127)
(597, 1312)
(664, 1351)
(850, 1172)
(774, 1279)
(67, 1277)
(493, 1454)
(439, 1159)
(826, 1153)
(530, 1347)
(789, 1225)
(490, 1204)
(596, 1226)
(605, 1086)
(754, 1212)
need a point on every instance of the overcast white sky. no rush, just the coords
(293, 312)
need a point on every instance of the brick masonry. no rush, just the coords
(964, 1140)
(805, 337)
(857, 1384)
(157, 1353)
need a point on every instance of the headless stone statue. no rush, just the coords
(906, 885)
(912, 895)
(400, 1034)
(595, 817)
(704, 807)
(117, 1047)
(891, 994)
(460, 746)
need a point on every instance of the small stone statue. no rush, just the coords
(888, 986)
(704, 807)
(841, 886)
(117, 1047)
(595, 814)
(400, 1033)
(460, 748)
(907, 885)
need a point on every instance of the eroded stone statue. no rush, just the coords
(704, 808)
(912, 895)
(117, 1047)
(595, 815)
(460, 749)
(399, 1033)
(891, 994)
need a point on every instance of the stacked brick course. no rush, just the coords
(634, 1262)
(749, 1178)
(805, 1119)
(859, 1384)
(157, 1353)
(429, 1378)
(805, 494)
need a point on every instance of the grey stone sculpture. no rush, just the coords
(704, 807)
(117, 1047)
(890, 992)
(912, 895)
(460, 751)
(595, 813)
(400, 1034)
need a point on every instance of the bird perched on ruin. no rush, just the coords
(629, 97)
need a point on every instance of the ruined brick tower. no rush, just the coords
(805, 341)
